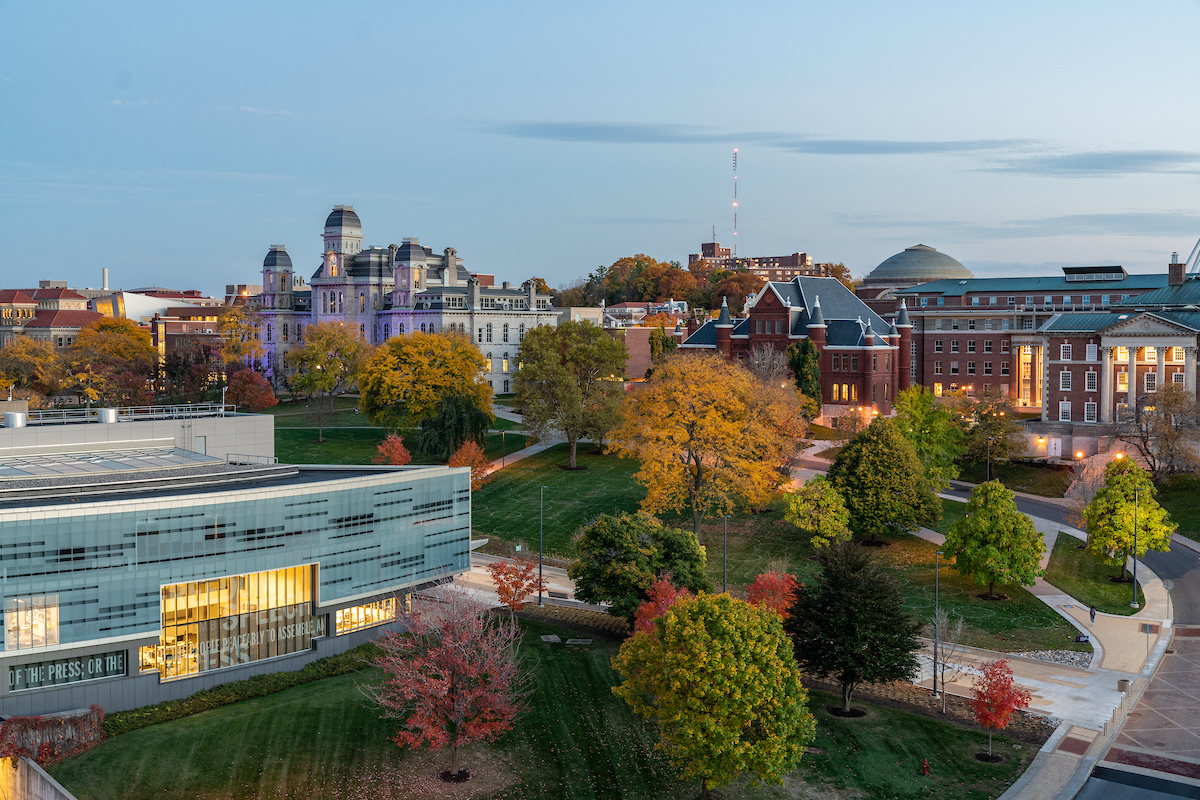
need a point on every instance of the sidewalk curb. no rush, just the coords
(1039, 761)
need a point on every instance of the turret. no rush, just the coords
(277, 278)
(816, 323)
(725, 330)
(408, 269)
(904, 359)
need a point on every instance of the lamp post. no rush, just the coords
(1134, 604)
(541, 529)
(725, 558)
(503, 449)
(989, 456)
(936, 575)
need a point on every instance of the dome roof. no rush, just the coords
(342, 217)
(277, 258)
(917, 264)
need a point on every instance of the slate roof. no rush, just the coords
(705, 335)
(1032, 286)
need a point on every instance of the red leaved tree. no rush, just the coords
(454, 678)
(248, 388)
(775, 590)
(515, 581)
(995, 696)
(471, 455)
(662, 595)
(392, 451)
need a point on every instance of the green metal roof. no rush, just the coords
(1186, 295)
(1033, 286)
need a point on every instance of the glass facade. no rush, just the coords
(368, 615)
(30, 622)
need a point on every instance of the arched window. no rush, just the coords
(362, 303)
(256, 331)
(299, 332)
(521, 332)
(387, 331)
(324, 302)
(362, 331)
(341, 303)
(422, 327)
(505, 366)
(285, 331)
(400, 328)
(375, 333)
(490, 367)
(504, 333)
(489, 333)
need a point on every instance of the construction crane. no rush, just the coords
(1192, 265)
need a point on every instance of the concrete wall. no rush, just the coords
(22, 779)
(242, 434)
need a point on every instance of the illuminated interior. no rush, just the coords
(30, 622)
(377, 613)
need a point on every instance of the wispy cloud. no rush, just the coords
(253, 110)
(1103, 162)
(133, 102)
(885, 147)
(619, 133)
(1120, 223)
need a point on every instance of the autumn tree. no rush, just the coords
(989, 422)
(1110, 517)
(805, 361)
(471, 455)
(1164, 428)
(881, 479)
(409, 377)
(736, 288)
(840, 272)
(851, 623)
(994, 542)
(620, 557)
(933, 431)
(515, 581)
(774, 590)
(32, 364)
(817, 508)
(114, 359)
(248, 388)
(661, 595)
(570, 381)
(540, 286)
(391, 451)
(458, 419)
(327, 365)
(706, 435)
(454, 678)
(718, 676)
(995, 696)
(239, 329)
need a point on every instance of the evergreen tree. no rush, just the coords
(805, 361)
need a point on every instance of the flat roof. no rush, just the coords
(56, 465)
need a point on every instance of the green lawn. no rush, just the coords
(1180, 496)
(1086, 578)
(823, 434)
(952, 512)
(1044, 481)
(324, 740)
(357, 445)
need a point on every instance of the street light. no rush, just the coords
(989, 456)
(936, 574)
(1134, 604)
(541, 528)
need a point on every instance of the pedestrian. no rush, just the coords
(1092, 614)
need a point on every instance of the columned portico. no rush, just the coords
(1106, 384)
(1189, 368)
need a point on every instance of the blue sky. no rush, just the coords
(173, 143)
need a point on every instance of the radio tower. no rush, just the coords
(735, 201)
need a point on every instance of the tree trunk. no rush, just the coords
(991, 588)
(574, 442)
(697, 512)
(847, 690)
(704, 788)
(989, 741)
(454, 759)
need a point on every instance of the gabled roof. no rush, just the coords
(63, 318)
(705, 336)
(837, 302)
(60, 293)
(15, 296)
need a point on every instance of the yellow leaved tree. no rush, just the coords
(708, 436)
(240, 338)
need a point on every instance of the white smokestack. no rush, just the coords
(104, 273)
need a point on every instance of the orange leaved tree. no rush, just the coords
(662, 595)
(392, 451)
(775, 590)
(471, 455)
(995, 696)
(515, 581)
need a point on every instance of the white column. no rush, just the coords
(1106, 384)
(1043, 372)
(1162, 355)
(1189, 368)
(1132, 379)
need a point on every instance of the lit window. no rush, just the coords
(1123, 381)
(368, 615)
(30, 622)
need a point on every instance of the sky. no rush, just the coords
(173, 143)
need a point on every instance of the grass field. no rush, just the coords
(1180, 496)
(357, 445)
(1043, 481)
(324, 740)
(1086, 578)
(952, 511)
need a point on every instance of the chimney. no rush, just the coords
(104, 278)
(1175, 274)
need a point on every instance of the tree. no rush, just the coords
(459, 418)
(840, 272)
(989, 422)
(706, 436)
(769, 365)
(569, 381)
(620, 557)
(1110, 516)
(995, 543)
(995, 696)
(471, 455)
(881, 479)
(933, 432)
(409, 377)
(818, 509)
(391, 451)
(326, 365)
(239, 331)
(947, 636)
(1165, 430)
(454, 678)
(32, 364)
(661, 595)
(774, 590)
(515, 581)
(540, 286)
(851, 624)
(736, 288)
(113, 346)
(805, 361)
(246, 388)
(662, 344)
(719, 677)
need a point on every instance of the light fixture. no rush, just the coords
(1079, 454)
(1041, 440)
(1120, 456)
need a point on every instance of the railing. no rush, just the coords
(240, 458)
(130, 414)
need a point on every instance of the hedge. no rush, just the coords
(235, 692)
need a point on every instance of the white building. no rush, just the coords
(389, 291)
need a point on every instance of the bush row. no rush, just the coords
(237, 691)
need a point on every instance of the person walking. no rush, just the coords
(1092, 614)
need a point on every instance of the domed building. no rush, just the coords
(913, 266)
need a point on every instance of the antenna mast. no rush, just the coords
(733, 263)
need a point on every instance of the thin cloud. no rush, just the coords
(253, 110)
(1121, 223)
(1101, 163)
(618, 133)
(132, 102)
(885, 147)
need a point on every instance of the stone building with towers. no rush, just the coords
(383, 292)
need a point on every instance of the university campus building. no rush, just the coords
(388, 291)
(150, 553)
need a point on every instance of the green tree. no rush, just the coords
(882, 481)
(990, 422)
(933, 432)
(851, 623)
(569, 381)
(805, 362)
(1110, 519)
(719, 677)
(458, 419)
(817, 509)
(408, 378)
(619, 558)
(326, 365)
(661, 344)
(995, 543)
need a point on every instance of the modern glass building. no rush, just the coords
(128, 586)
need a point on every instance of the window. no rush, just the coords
(758, 326)
(971, 324)
(1151, 354)
(987, 368)
(1104, 299)
(324, 302)
(504, 333)
(987, 346)
(362, 303)
(1093, 352)
(1177, 377)
(1151, 381)
(521, 332)
(365, 616)
(479, 336)
(1064, 352)
(971, 346)
(1176, 354)
(375, 333)
(387, 331)
(269, 326)
(1089, 381)
(874, 363)
(491, 366)
(912, 348)
(30, 621)
(489, 333)
(299, 332)
(505, 369)
(941, 301)
(1012, 301)
(954, 345)
(1122, 354)
(1064, 381)
(362, 331)
(854, 363)
(954, 324)
(853, 391)
(953, 367)
(837, 363)
(1049, 300)
(924, 302)
(422, 327)
(1086, 300)
(506, 387)
(1003, 367)
(1064, 411)
(1005, 324)
(778, 326)
(937, 390)
(993, 301)
(1089, 412)
(284, 331)
(970, 367)
(1123, 381)
(937, 368)
(837, 395)
(1030, 300)
(974, 301)
(937, 345)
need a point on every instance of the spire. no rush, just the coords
(815, 318)
(902, 317)
(869, 333)
(724, 318)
